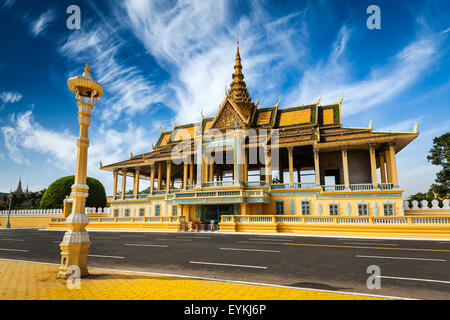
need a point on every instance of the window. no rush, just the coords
(157, 210)
(116, 212)
(279, 206)
(334, 210)
(127, 212)
(174, 211)
(363, 209)
(141, 212)
(306, 208)
(388, 209)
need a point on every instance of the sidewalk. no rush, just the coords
(37, 281)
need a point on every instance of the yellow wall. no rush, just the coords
(26, 221)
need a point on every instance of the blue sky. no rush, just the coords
(161, 61)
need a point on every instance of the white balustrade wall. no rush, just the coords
(414, 207)
(46, 212)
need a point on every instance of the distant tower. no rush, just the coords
(19, 187)
(26, 190)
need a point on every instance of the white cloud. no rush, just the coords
(8, 3)
(9, 97)
(195, 42)
(383, 83)
(127, 89)
(24, 135)
(40, 24)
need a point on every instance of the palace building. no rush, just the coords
(271, 161)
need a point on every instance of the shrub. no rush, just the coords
(56, 193)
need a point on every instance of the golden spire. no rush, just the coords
(87, 69)
(238, 91)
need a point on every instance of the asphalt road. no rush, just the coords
(408, 268)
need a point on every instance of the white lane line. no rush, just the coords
(402, 258)
(194, 237)
(255, 250)
(347, 239)
(373, 244)
(227, 264)
(18, 250)
(145, 245)
(12, 240)
(415, 279)
(267, 239)
(101, 256)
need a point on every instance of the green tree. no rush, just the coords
(440, 156)
(56, 193)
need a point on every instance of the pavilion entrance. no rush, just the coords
(215, 211)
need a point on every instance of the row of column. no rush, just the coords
(387, 162)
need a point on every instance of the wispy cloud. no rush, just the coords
(128, 90)
(24, 134)
(196, 42)
(400, 72)
(39, 25)
(9, 97)
(8, 3)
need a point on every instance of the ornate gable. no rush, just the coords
(227, 116)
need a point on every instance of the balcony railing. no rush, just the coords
(253, 184)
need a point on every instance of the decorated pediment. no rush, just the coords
(227, 116)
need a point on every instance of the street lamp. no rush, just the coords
(76, 243)
(8, 224)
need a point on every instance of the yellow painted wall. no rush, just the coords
(27, 221)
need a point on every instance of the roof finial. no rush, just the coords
(415, 127)
(87, 71)
(370, 124)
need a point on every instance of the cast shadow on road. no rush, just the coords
(315, 285)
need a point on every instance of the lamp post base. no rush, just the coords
(73, 260)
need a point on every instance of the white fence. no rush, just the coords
(46, 212)
(412, 206)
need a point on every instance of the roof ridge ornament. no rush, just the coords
(342, 98)
(201, 113)
(318, 100)
(415, 127)
(278, 103)
(370, 124)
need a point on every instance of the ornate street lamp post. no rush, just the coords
(8, 224)
(76, 243)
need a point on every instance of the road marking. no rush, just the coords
(18, 250)
(228, 264)
(145, 245)
(270, 239)
(373, 244)
(401, 258)
(256, 250)
(194, 237)
(350, 247)
(109, 238)
(174, 239)
(415, 279)
(101, 256)
(12, 240)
